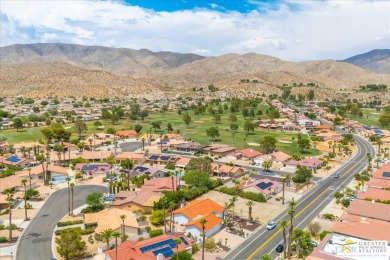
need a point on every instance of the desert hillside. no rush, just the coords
(63, 70)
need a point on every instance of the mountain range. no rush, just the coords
(68, 69)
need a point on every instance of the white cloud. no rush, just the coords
(330, 29)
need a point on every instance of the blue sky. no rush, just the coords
(288, 29)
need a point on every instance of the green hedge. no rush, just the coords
(255, 196)
(3, 240)
(69, 223)
(86, 231)
(155, 233)
(324, 233)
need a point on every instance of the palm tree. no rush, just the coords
(71, 197)
(10, 199)
(29, 177)
(177, 243)
(172, 206)
(291, 213)
(123, 225)
(106, 234)
(226, 222)
(68, 181)
(288, 179)
(250, 203)
(143, 143)
(284, 184)
(377, 161)
(203, 222)
(233, 201)
(116, 234)
(24, 182)
(282, 225)
(379, 143)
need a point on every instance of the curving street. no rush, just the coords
(35, 242)
(308, 207)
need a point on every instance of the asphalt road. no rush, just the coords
(35, 244)
(308, 207)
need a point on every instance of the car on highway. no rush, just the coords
(279, 248)
(271, 225)
(336, 175)
(314, 243)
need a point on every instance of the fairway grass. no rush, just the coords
(195, 131)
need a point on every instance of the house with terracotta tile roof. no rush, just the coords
(91, 169)
(311, 163)
(136, 200)
(161, 184)
(279, 157)
(194, 227)
(249, 154)
(135, 157)
(227, 170)
(126, 134)
(110, 218)
(37, 172)
(369, 209)
(14, 183)
(265, 186)
(182, 162)
(383, 172)
(374, 194)
(379, 183)
(198, 209)
(362, 227)
(149, 249)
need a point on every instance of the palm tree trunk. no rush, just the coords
(284, 243)
(116, 248)
(71, 205)
(25, 202)
(283, 193)
(203, 243)
(290, 238)
(10, 222)
(68, 199)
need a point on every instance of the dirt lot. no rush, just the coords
(262, 212)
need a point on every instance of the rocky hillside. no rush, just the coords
(115, 60)
(55, 69)
(376, 60)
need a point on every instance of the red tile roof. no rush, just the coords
(379, 183)
(375, 194)
(379, 173)
(200, 207)
(160, 184)
(369, 209)
(211, 221)
(250, 153)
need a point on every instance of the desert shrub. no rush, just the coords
(12, 226)
(209, 244)
(3, 240)
(314, 228)
(345, 202)
(230, 191)
(2, 227)
(253, 196)
(329, 216)
(195, 248)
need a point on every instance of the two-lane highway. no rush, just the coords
(35, 244)
(308, 207)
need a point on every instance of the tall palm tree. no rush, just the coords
(143, 143)
(106, 235)
(203, 222)
(284, 184)
(172, 206)
(291, 213)
(68, 181)
(123, 217)
(10, 199)
(29, 176)
(250, 204)
(282, 225)
(24, 182)
(177, 243)
(116, 234)
(233, 201)
(71, 197)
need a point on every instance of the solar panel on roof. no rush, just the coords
(166, 251)
(184, 241)
(263, 185)
(165, 158)
(154, 157)
(386, 174)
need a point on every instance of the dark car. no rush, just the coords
(279, 248)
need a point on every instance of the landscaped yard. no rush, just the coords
(370, 117)
(196, 131)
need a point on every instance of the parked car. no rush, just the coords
(314, 243)
(279, 248)
(271, 225)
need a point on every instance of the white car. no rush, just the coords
(270, 225)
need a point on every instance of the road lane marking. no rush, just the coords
(269, 239)
(279, 230)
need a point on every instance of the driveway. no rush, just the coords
(36, 240)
